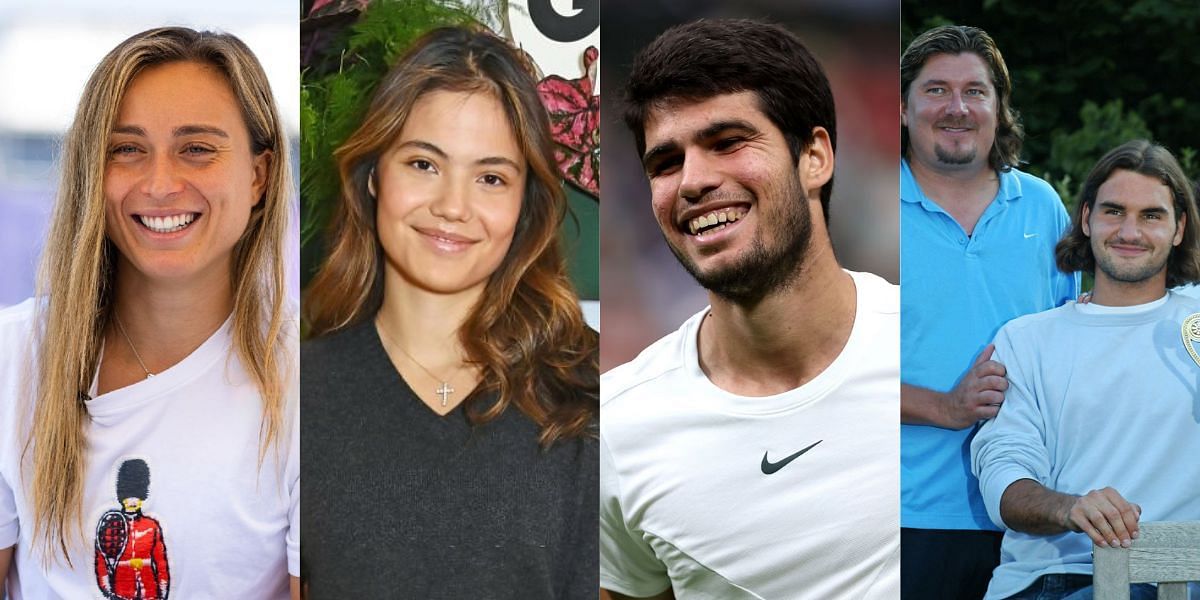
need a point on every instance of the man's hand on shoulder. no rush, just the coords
(976, 397)
(1104, 515)
(979, 393)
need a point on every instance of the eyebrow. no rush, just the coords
(713, 130)
(181, 131)
(943, 82)
(1114, 204)
(487, 160)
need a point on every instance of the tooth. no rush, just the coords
(722, 217)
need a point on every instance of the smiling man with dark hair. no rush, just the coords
(751, 453)
(1103, 395)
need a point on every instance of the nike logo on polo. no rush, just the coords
(769, 467)
(1029, 235)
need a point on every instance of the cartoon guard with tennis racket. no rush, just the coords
(131, 556)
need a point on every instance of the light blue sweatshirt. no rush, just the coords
(1098, 396)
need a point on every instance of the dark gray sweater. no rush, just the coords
(398, 502)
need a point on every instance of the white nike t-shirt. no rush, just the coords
(792, 496)
(225, 527)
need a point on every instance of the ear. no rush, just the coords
(262, 173)
(1179, 228)
(903, 114)
(371, 183)
(816, 161)
(1083, 218)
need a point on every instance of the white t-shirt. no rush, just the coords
(686, 500)
(214, 523)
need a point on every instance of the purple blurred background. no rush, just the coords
(47, 51)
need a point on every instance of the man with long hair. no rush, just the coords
(978, 246)
(1101, 394)
(751, 453)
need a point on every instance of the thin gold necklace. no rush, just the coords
(131, 346)
(444, 390)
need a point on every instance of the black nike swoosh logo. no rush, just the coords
(769, 467)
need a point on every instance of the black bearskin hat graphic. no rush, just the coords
(133, 480)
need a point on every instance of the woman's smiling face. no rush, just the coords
(449, 192)
(180, 177)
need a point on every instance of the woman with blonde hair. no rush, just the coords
(451, 395)
(148, 404)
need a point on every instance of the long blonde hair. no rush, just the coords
(77, 271)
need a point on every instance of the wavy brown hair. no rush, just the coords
(1074, 250)
(78, 269)
(527, 332)
(956, 39)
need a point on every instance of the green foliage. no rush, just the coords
(1073, 153)
(332, 105)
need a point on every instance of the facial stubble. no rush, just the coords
(783, 217)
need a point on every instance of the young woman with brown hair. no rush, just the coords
(450, 397)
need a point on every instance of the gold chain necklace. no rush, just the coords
(444, 390)
(131, 346)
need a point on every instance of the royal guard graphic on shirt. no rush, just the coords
(131, 556)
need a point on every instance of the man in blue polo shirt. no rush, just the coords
(977, 249)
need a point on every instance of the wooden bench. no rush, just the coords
(1166, 553)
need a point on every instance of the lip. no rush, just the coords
(147, 232)
(713, 237)
(1126, 250)
(698, 211)
(446, 242)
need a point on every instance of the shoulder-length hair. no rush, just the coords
(956, 39)
(1074, 250)
(78, 268)
(527, 331)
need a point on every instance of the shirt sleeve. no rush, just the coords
(1011, 446)
(9, 526)
(293, 482)
(628, 565)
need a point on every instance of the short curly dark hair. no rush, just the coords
(710, 57)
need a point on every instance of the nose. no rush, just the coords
(957, 105)
(1129, 230)
(697, 176)
(452, 203)
(161, 181)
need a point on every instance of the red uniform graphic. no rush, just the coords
(140, 571)
(131, 554)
